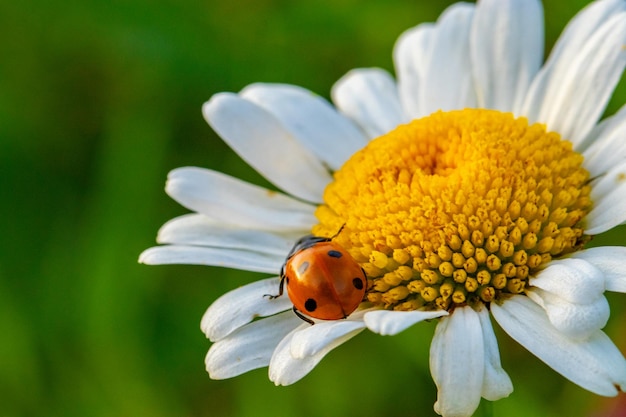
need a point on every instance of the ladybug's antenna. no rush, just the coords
(338, 231)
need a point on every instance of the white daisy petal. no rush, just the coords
(603, 186)
(250, 347)
(574, 280)
(266, 144)
(580, 91)
(595, 364)
(457, 362)
(574, 37)
(199, 230)
(576, 321)
(496, 382)
(284, 369)
(408, 56)
(310, 119)
(314, 339)
(609, 197)
(611, 260)
(431, 64)
(369, 96)
(581, 28)
(232, 201)
(607, 146)
(224, 257)
(239, 307)
(449, 84)
(389, 323)
(507, 50)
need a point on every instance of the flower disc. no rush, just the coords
(458, 207)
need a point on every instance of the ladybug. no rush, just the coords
(323, 279)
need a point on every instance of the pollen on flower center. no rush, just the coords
(458, 207)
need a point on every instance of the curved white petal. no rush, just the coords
(265, 144)
(310, 119)
(408, 57)
(232, 201)
(506, 51)
(224, 257)
(369, 96)
(571, 292)
(239, 307)
(432, 61)
(606, 145)
(284, 369)
(609, 197)
(576, 321)
(574, 37)
(199, 230)
(605, 185)
(457, 363)
(250, 347)
(314, 339)
(580, 89)
(573, 280)
(611, 260)
(496, 382)
(448, 85)
(389, 323)
(595, 364)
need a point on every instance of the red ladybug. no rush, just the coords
(323, 279)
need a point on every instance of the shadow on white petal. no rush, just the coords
(284, 369)
(457, 362)
(242, 305)
(314, 339)
(299, 352)
(389, 323)
(595, 363)
(250, 347)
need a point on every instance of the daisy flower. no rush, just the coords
(467, 188)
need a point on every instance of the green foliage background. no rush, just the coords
(98, 101)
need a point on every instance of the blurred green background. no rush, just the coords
(98, 101)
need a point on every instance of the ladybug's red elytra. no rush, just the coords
(323, 279)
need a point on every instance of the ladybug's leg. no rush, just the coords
(281, 287)
(308, 320)
(364, 276)
(338, 231)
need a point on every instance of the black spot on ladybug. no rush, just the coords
(310, 304)
(358, 283)
(303, 267)
(335, 254)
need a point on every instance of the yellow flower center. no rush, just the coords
(459, 207)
